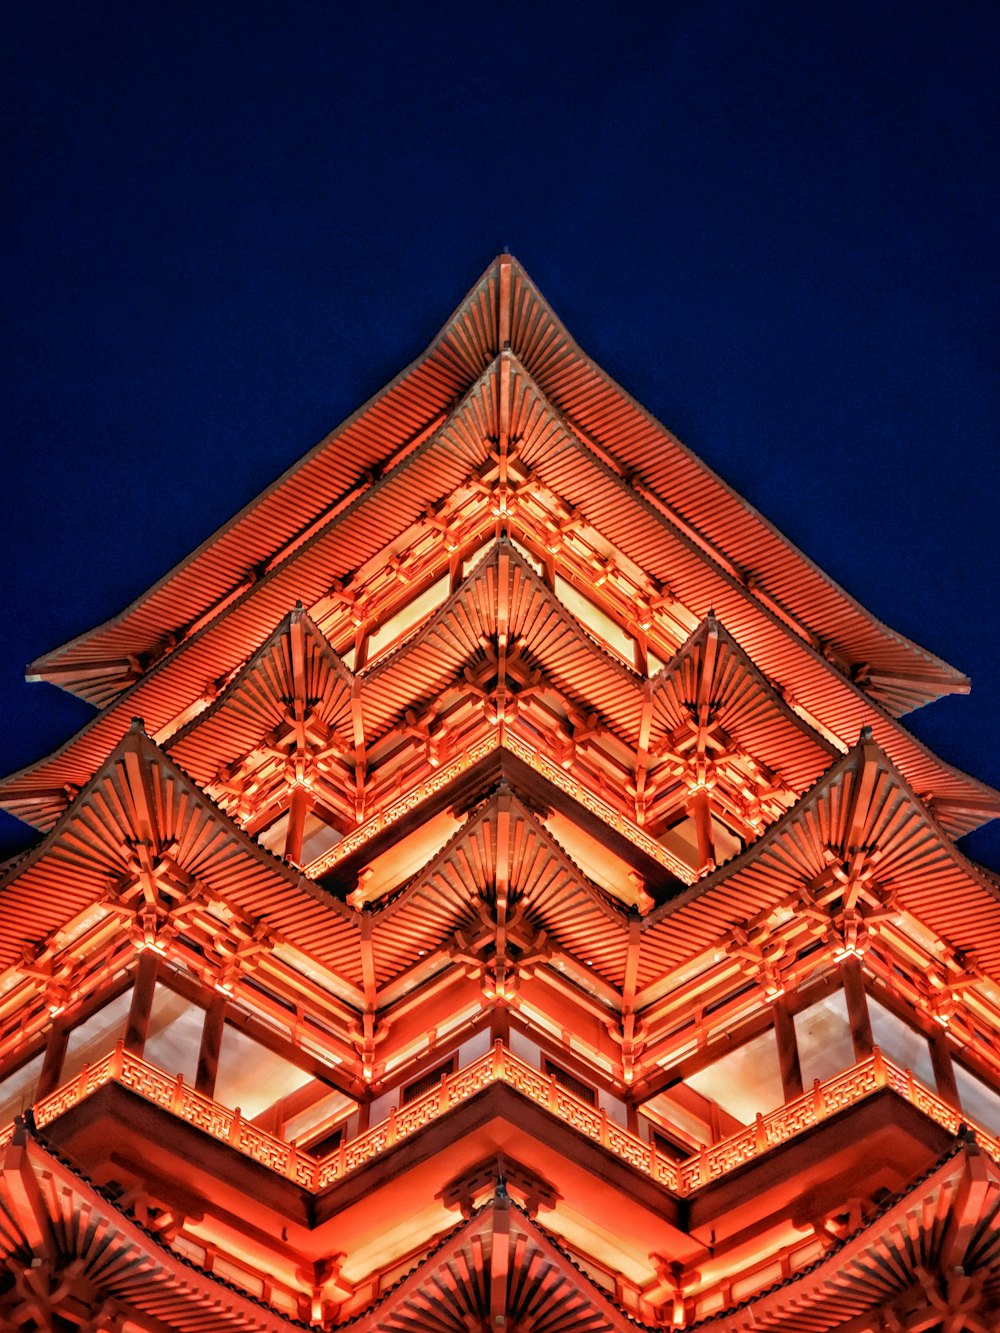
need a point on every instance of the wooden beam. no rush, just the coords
(944, 1070)
(862, 790)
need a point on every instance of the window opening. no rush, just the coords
(979, 1101)
(901, 1043)
(96, 1035)
(175, 1030)
(571, 1083)
(253, 1077)
(823, 1037)
(407, 618)
(598, 623)
(17, 1090)
(745, 1081)
(426, 1082)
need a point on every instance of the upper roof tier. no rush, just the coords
(504, 310)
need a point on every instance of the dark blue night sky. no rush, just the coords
(226, 225)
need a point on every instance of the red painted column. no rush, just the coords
(857, 1008)
(55, 1053)
(137, 1027)
(788, 1050)
(211, 1045)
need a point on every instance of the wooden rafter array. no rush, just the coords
(500, 761)
(504, 457)
(502, 641)
(929, 1262)
(503, 311)
(859, 846)
(502, 882)
(70, 1258)
(499, 1269)
(143, 840)
(152, 863)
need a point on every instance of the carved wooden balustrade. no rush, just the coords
(500, 1065)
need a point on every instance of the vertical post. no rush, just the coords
(788, 1050)
(760, 1134)
(857, 1008)
(137, 1028)
(297, 811)
(500, 1023)
(364, 1113)
(715, 1122)
(52, 1063)
(211, 1045)
(454, 571)
(880, 1071)
(944, 1071)
(701, 809)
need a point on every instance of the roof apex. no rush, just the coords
(504, 308)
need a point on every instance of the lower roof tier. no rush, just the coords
(118, 1251)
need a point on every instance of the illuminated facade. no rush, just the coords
(496, 892)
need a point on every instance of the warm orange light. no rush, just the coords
(501, 1065)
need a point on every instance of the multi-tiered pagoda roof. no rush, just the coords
(497, 891)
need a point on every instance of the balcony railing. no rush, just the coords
(500, 1065)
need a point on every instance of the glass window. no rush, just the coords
(18, 1089)
(252, 1077)
(96, 1036)
(980, 1102)
(900, 1043)
(823, 1036)
(174, 1037)
(745, 1081)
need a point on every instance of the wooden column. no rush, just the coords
(857, 1008)
(364, 1112)
(55, 1053)
(454, 571)
(142, 1002)
(297, 811)
(788, 1050)
(211, 1045)
(701, 809)
(500, 1024)
(944, 1071)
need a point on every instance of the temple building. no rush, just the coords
(496, 891)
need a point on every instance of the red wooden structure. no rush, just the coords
(496, 892)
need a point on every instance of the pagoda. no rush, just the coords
(496, 891)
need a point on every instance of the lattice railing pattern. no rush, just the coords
(501, 1065)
